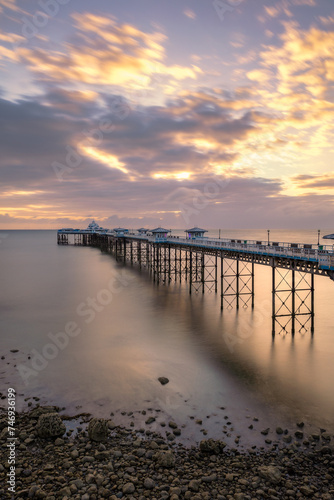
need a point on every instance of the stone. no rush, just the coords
(209, 479)
(326, 436)
(128, 488)
(299, 434)
(149, 484)
(150, 420)
(194, 485)
(163, 380)
(98, 429)
(165, 459)
(305, 490)
(212, 446)
(50, 425)
(279, 430)
(325, 450)
(270, 473)
(74, 454)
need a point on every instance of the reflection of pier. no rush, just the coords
(207, 264)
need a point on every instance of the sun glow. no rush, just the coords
(107, 159)
(179, 176)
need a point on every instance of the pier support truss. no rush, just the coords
(62, 239)
(237, 283)
(202, 271)
(178, 264)
(292, 301)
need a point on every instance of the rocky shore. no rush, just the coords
(95, 459)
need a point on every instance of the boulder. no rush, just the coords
(50, 425)
(165, 459)
(270, 473)
(98, 429)
(212, 446)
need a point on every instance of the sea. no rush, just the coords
(90, 335)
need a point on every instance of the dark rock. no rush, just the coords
(149, 484)
(163, 380)
(98, 429)
(50, 425)
(270, 473)
(150, 420)
(215, 447)
(128, 488)
(165, 459)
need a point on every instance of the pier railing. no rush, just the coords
(294, 250)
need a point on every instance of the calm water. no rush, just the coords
(123, 343)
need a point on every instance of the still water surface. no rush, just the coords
(121, 348)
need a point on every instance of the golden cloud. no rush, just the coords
(313, 183)
(108, 54)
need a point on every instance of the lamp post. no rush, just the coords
(268, 231)
(318, 237)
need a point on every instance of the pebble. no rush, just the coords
(149, 484)
(128, 488)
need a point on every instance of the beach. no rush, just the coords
(121, 462)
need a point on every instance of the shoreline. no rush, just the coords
(132, 462)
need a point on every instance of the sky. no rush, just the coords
(216, 113)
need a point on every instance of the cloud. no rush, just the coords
(189, 13)
(11, 5)
(271, 11)
(106, 53)
(185, 142)
(314, 182)
(326, 21)
(157, 157)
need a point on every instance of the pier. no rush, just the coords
(224, 266)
